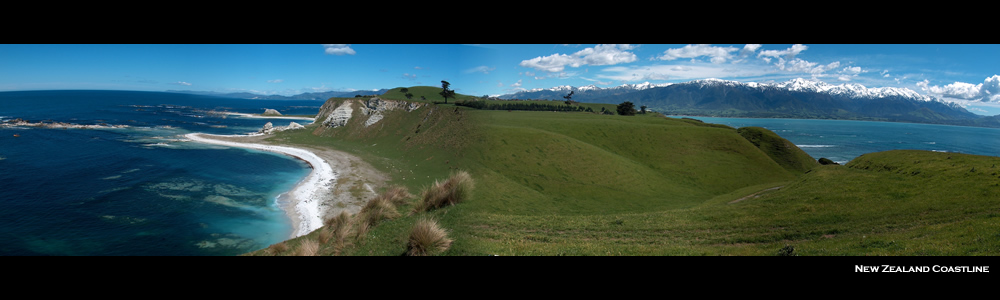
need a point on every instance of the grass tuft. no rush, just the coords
(308, 248)
(337, 231)
(427, 238)
(456, 189)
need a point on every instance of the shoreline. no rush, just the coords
(303, 202)
(246, 115)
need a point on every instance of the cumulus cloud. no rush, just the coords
(988, 91)
(787, 53)
(338, 49)
(851, 70)
(800, 65)
(715, 54)
(598, 56)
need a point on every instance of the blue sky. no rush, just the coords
(966, 74)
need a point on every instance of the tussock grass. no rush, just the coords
(455, 189)
(308, 248)
(427, 238)
(382, 207)
(276, 249)
(337, 231)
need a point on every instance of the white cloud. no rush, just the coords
(276, 81)
(338, 49)
(409, 76)
(678, 72)
(750, 48)
(716, 54)
(851, 70)
(800, 65)
(988, 91)
(598, 56)
(182, 83)
(787, 53)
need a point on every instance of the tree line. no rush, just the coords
(523, 106)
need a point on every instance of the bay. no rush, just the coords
(844, 140)
(143, 189)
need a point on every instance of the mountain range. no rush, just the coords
(304, 96)
(797, 98)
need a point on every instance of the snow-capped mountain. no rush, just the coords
(852, 90)
(797, 98)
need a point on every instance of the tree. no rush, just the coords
(408, 96)
(445, 92)
(626, 109)
(643, 109)
(568, 100)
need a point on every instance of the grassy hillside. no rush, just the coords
(549, 183)
(429, 94)
(782, 151)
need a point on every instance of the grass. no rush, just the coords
(586, 184)
(455, 189)
(427, 238)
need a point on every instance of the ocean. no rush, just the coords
(140, 190)
(842, 140)
(143, 190)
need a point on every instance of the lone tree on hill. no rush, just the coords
(445, 92)
(642, 110)
(568, 100)
(626, 109)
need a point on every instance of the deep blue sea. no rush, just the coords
(143, 190)
(140, 190)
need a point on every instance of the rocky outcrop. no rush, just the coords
(375, 107)
(271, 112)
(372, 110)
(339, 116)
(270, 128)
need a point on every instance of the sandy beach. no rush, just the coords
(338, 181)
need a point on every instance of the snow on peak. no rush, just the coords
(852, 90)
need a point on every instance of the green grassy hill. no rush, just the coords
(428, 94)
(554, 183)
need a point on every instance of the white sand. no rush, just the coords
(306, 196)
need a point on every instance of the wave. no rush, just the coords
(816, 146)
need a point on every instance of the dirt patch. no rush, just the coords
(755, 195)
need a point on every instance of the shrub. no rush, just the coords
(427, 238)
(626, 109)
(456, 189)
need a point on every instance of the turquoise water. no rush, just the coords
(842, 141)
(140, 190)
